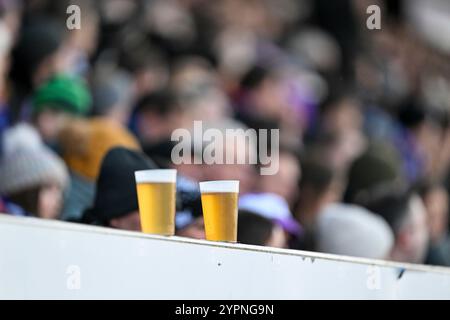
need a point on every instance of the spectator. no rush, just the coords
(284, 182)
(36, 57)
(406, 214)
(319, 186)
(258, 230)
(157, 115)
(419, 139)
(31, 175)
(376, 167)
(367, 108)
(115, 203)
(59, 106)
(83, 144)
(56, 102)
(112, 92)
(435, 198)
(354, 231)
(245, 173)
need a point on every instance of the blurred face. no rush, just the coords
(194, 230)
(190, 170)
(429, 142)
(49, 124)
(50, 201)
(213, 105)
(270, 99)
(313, 201)
(413, 237)
(245, 173)
(131, 222)
(344, 115)
(349, 146)
(149, 79)
(153, 127)
(436, 204)
(283, 183)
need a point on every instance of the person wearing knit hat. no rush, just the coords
(63, 92)
(354, 231)
(31, 175)
(115, 203)
(55, 102)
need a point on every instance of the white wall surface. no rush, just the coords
(50, 259)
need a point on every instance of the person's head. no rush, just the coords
(145, 63)
(197, 86)
(31, 175)
(435, 199)
(111, 94)
(352, 230)
(161, 153)
(264, 92)
(204, 101)
(318, 48)
(158, 114)
(56, 101)
(341, 113)
(340, 148)
(377, 166)
(258, 230)
(37, 54)
(285, 181)
(406, 214)
(115, 204)
(319, 186)
(233, 146)
(426, 125)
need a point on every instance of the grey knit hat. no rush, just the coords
(354, 231)
(27, 163)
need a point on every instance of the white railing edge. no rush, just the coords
(77, 227)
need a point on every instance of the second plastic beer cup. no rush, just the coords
(156, 197)
(220, 208)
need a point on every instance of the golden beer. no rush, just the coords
(220, 208)
(156, 197)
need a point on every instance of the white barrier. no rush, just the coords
(51, 259)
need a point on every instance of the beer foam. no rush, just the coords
(156, 175)
(219, 186)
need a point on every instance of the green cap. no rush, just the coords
(65, 93)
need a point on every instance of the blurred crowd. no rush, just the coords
(364, 152)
